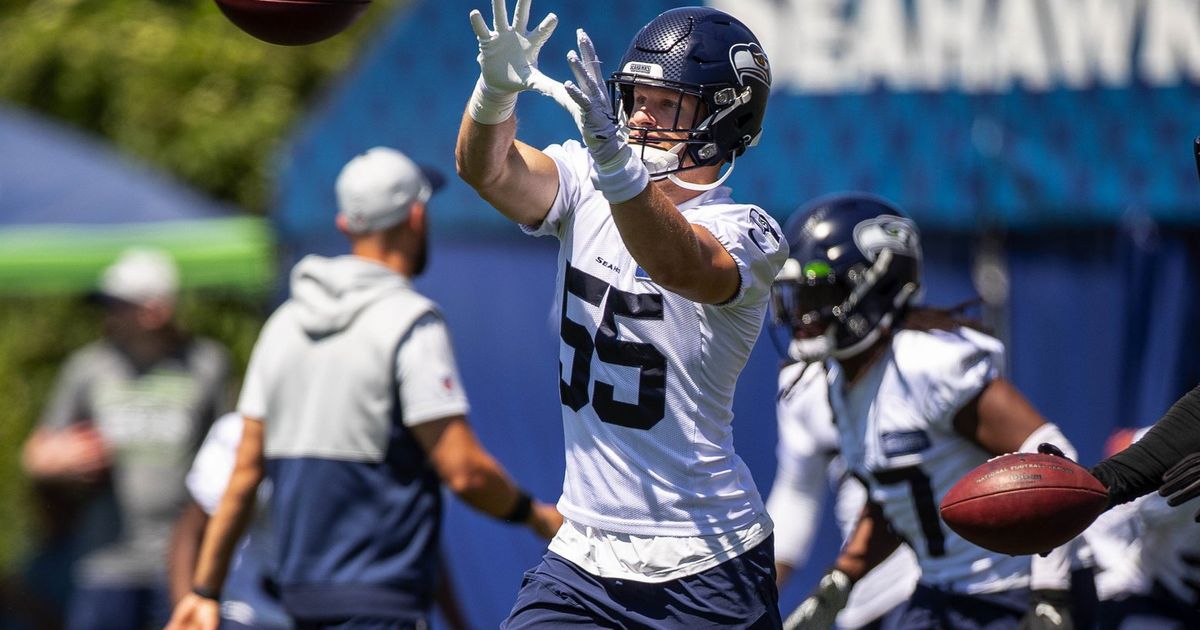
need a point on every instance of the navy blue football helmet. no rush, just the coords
(853, 268)
(702, 52)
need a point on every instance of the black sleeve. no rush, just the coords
(1138, 470)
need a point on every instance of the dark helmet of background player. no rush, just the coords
(853, 268)
(709, 54)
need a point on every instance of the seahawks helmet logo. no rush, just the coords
(887, 232)
(750, 62)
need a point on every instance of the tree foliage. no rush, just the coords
(170, 82)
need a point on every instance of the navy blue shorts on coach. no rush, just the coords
(738, 593)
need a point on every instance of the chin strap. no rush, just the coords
(703, 187)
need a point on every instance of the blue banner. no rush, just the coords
(967, 112)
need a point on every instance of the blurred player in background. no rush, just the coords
(664, 282)
(250, 598)
(125, 417)
(1148, 561)
(918, 401)
(807, 462)
(353, 406)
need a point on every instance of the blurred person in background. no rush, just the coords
(919, 401)
(353, 407)
(808, 464)
(125, 419)
(250, 598)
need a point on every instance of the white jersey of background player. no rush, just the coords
(918, 402)
(663, 282)
(1147, 563)
(808, 465)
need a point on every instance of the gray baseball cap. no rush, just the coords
(377, 189)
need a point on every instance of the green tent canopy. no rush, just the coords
(69, 204)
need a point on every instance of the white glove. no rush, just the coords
(820, 610)
(620, 174)
(508, 58)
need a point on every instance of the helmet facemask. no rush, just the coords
(693, 138)
(831, 315)
(805, 300)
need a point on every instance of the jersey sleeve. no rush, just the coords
(252, 402)
(574, 170)
(952, 369)
(753, 240)
(211, 469)
(430, 388)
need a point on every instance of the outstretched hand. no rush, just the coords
(508, 58)
(596, 120)
(620, 175)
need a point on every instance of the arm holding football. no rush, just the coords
(1139, 469)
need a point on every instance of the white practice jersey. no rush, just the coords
(897, 434)
(647, 376)
(808, 462)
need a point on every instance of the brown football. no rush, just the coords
(293, 22)
(1024, 503)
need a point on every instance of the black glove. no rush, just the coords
(1046, 448)
(1048, 610)
(1182, 482)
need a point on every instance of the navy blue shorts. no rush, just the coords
(105, 607)
(932, 608)
(738, 593)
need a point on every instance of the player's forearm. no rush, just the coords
(1138, 470)
(481, 152)
(669, 250)
(870, 544)
(184, 547)
(517, 180)
(484, 485)
(225, 528)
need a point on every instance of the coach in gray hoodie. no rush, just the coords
(353, 406)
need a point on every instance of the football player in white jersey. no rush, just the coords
(1148, 556)
(664, 282)
(807, 464)
(918, 401)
